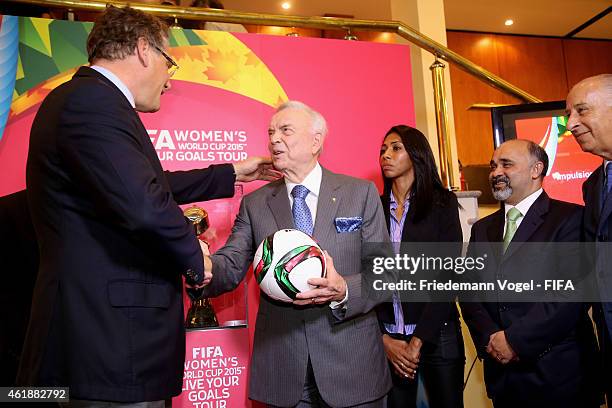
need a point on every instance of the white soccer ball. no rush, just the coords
(285, 261)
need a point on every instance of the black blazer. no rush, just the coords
(555, 342)
(441, 224)
(598, 228)
(19, 254)
(107, 312)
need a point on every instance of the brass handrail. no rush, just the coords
(230, 16)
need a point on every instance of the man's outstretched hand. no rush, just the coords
(256, 168)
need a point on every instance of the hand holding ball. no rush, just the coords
(285, 261)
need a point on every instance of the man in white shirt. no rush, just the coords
(535, 353)
(323, 349)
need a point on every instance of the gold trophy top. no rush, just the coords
(198, 217)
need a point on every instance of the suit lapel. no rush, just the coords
(605, 213)
(593, 197)
(85, 71)
(412, 231)
(597, 192)
(531, 222)
(278, 202)
(603, 200)
(327, 207)
(385, 201)
(145, 140)
(592, 190)
(495, 232)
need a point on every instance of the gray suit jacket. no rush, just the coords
(346, 351)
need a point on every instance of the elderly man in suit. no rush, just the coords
(107, 313)
(536, 353)
(324, 349)
(589, 111)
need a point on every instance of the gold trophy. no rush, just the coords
(201, 313)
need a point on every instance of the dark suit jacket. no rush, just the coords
(598, 229)
(19, 254)
(554, 341)
(346, 353)
(441, 224)
(107, 313)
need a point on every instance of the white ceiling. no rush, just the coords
(535, 17)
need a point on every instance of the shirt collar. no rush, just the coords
(312, 181)
(525, 204)
(393, 202)
(118, 83)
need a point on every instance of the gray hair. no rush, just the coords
(539, 155)
(319, 125)
(603, 82)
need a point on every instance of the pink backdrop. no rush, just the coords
(362, 89)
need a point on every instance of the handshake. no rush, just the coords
(201, 313)
(253, 168)
(207, 269)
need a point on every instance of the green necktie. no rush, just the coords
(513, 215)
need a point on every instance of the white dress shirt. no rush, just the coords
(312, 182)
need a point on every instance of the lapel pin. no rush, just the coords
(334, 199)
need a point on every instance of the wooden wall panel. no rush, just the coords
(585, 58)
(534, 64)
(473, 126)
(544, 67)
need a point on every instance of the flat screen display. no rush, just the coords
(546, 124)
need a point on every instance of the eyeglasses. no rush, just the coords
(172, 65)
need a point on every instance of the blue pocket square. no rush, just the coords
(348, 224)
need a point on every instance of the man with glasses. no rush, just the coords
(172, 65)
(107, 312)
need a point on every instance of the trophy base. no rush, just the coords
(201, 315)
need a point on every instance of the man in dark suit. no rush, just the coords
(19, 254)
(107, 313)
(536, 354)
(323, 349)
(589, 108)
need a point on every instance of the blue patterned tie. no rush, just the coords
(301, 213)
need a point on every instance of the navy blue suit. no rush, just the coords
(107, 312)
(598, 229)
(554, 341)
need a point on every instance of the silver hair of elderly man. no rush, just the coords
(319, 125)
